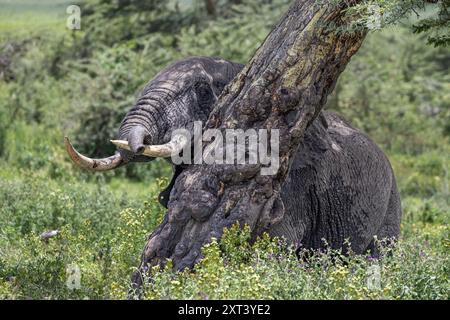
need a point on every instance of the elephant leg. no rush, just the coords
(390, 229)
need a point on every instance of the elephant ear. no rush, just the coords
(164, 196)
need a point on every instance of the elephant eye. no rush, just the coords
(219, 85)
(205, 96)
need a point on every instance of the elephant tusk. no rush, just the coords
(84, 162)
(173, 147)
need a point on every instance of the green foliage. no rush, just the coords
(136, 19)
(105, 243)
(437, 26)
(20, 18)
(397, 87)
(97, 235)
(271, 270)
(432, 18)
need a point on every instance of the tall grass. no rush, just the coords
(20, 18)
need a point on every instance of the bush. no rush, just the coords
(96, 236)
(103, 231)
(271, 270)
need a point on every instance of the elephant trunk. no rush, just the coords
(136, 139)
(147, 122)
(141, 134)
(181, 93)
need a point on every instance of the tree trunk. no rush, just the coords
(284, 87)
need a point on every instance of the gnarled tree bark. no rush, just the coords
(284, 87)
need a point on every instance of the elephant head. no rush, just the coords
(182, 93)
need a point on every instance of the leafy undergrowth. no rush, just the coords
(232, 269)
(103, 231)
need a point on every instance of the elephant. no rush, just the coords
(340, 189)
